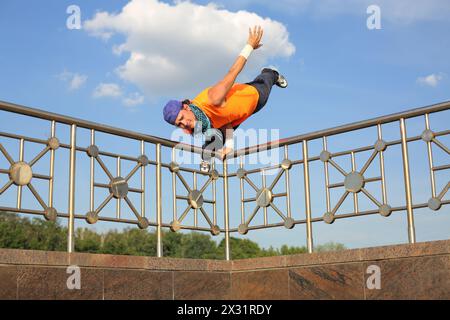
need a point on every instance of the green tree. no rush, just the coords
(241, 249)
(129, 242)
(140, 242)
(172, 244)
(37, 234)
(87, 241)
(47, 235)
(114, 243)
(198, 246)
(329, 246)
(13, 231)
(286, 250)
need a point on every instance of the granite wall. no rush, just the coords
(419, 271)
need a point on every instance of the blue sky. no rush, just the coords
(340, 72)
(340, 67)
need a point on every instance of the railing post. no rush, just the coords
(72, 169)
(430, 159)
(411, 229)
(226, 210)
(92, 176)
(52, 167)
(287, 186)
(19, 188)
(143, 181)
(309, 240)
(159, 247)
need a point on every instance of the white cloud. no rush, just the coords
(179, 49)
(431, 80)
(75, 81)
(107, 90)
(133, 99)
(112, 90)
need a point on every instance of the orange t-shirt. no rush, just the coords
(240, 102)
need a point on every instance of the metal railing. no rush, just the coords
(22, 174)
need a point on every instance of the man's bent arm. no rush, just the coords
(228, 131)
(228, 146)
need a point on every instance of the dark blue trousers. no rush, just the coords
(264, 83)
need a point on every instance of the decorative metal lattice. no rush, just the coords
(194, 198)
(355, 181)
(265, 196)
(118, 187)
(21, 174)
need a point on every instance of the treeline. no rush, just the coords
(36, 234)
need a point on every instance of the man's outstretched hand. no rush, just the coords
(255, 36)
(224, 152)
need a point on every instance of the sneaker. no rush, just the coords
(281, 81)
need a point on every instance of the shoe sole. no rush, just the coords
(282, 84)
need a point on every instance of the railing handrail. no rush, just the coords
(341, 129)
(46, 115)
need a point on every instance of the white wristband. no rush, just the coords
(246, 51)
